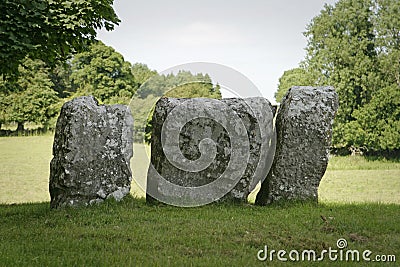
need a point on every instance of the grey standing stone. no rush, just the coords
(304, 131)
(91, 153)
(257, 117)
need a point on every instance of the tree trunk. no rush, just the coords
(20, 127)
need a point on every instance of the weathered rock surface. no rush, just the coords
(91, 153)
(304, 131)
(198, 170)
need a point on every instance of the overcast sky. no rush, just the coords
(259, 38)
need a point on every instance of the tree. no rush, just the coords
(194, 86)
(156, 86)
(103, 73)
(341, 48)
(294, 77)
(377, 124)
(142, 110)
(31, 98)
(4, 104)
(142, 73)
(60, 76)
(355, 47)
(184, 84)
(388, 39)
(49, 30)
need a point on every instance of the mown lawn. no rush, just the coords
(354, 204)
(24, 174)
(359, 179)
(25, 169)
(132, 233)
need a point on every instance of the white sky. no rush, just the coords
(259, 38)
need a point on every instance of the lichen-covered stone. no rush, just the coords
(203, 120)
(91, 153)
(304, 130)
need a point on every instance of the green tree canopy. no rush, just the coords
(294, 77)
(184, 84)
(103, 73)
(187, 85)
(29, 99)
(355, 47)
(341, 48)
(373, 127)
(49, 30)
(60, 76)
(142, 73)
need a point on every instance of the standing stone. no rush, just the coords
(304, 131)
(91, 153)
(197, 132)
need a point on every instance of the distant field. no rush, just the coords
(24, 174)
(25, 169)
(356, 179)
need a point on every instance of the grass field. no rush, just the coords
(25, 169)
(24, 174)
(131, 233)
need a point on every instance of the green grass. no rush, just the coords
(361, 186)
(25, 169)
(359, 179)
(132, 233)
(24, 174)
(362, 163)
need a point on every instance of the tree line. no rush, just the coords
(354, 46)
(39, 91)
(49, 54)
